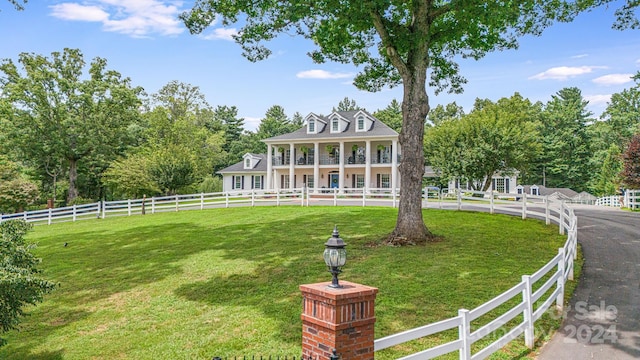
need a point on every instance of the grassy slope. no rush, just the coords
(225, 282)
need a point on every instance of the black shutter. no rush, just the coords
(242, 183)
(262, 182)
(233, 182)
(493, 185)
(506, 185)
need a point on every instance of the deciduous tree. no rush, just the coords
(415, 44)
(493, 138)
(631, 170)
(59, 115)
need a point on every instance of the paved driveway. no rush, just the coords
(603, 321)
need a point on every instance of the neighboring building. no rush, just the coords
(346, 149)
(501, 183)
(565, 194)
(245, 175)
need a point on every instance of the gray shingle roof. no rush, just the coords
(260, 167)
(377, 129)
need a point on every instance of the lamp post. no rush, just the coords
(335, 256)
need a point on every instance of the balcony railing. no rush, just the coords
(358, 159)
(279, 160)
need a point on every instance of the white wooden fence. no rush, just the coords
(533, 290)
(630, 200)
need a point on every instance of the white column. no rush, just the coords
(269, 168)
(341, 173)
(292, 162)
(394, 164)
(316, 166)
(367, 167)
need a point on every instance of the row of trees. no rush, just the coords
(556, 144)
(74, 137)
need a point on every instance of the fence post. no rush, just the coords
(177, 203)
(491, 202)
(464, 332)
(98, 209)
(340, 319)
(74, 213)
(302, 195)
(278, 197)
(226, 200)
(201, 201)
(524, 205)
(561, 217)
(393, 193)
(459, 194)
(335, 196)
(547, 212)
(253, 198)
(528, 312)
(129, 207)
(560, 282)
(364, 197)
(48, 218)
(104, 209)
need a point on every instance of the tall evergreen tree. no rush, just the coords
(391, 115)
(347, 105)
(566, 147)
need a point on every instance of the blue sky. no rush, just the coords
(143, 40)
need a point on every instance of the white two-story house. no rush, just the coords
(346, 149)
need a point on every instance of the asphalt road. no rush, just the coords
(603, 319)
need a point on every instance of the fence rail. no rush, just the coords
(534, 295)
(537, 292)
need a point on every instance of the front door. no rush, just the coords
(334, 181)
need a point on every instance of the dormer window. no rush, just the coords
(360, 123)
(247, 163)
(312, 126)
(535, 190)
(335, 124)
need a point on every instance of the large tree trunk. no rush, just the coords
(73, 177)
(410, 228)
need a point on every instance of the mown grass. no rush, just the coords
(224, 282)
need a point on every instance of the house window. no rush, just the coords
(360, 123)
(284, 181)
(500, 185)
(309, 181)
(383, 181)
(335, 125)
(359, 181)
(237, 182)
(312, 126)
(247, 163)
(257, 182)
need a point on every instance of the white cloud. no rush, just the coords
(565, 72)
(613, 79)
(322, 74)
(579, 56)
(139, 18)
(598, 99)
(221, 34)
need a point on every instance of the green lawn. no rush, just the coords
(224, 282)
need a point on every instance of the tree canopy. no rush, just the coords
(631, 170)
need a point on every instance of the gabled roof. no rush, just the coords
(378, 129)
(258, 167)
(560, 193)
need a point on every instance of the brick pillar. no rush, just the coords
(341, 319)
